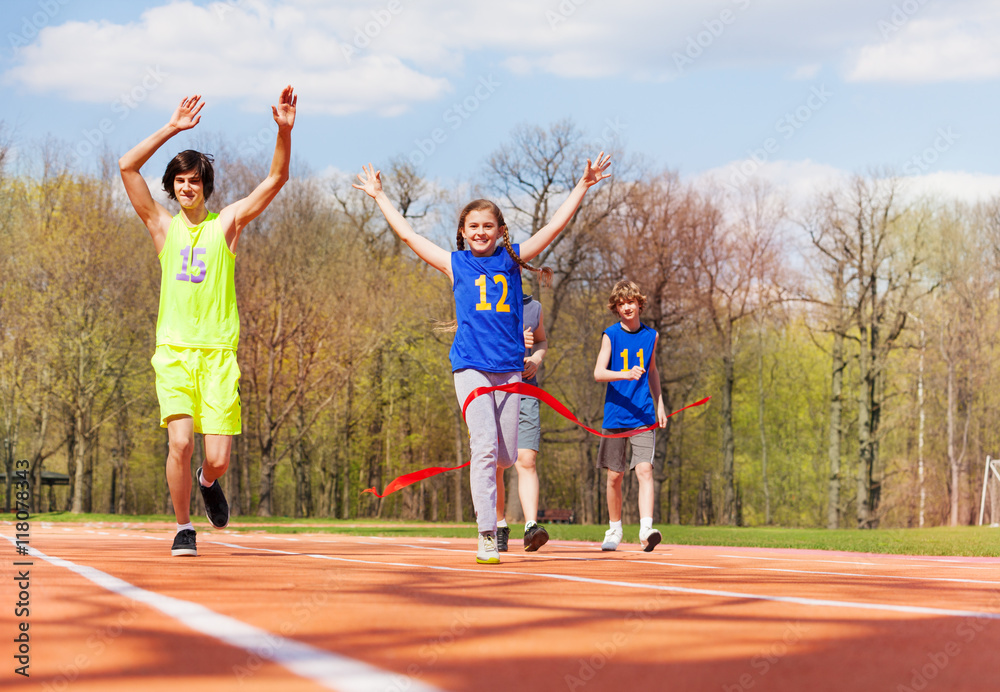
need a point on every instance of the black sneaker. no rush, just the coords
(184, 544)
(503, 533)
(534, 538)
(216, 507)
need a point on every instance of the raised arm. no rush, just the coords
(237, 215)
(428, 251)
(601, 372)
(155, 217)
(592, 174)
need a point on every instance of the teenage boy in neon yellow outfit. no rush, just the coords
(198, 326)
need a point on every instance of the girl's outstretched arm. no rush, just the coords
(592, 174)
(437, 257)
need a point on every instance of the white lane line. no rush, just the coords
(328, 669)
(814, 602)
(834, 562)
(675, 564)
(468, 550)
(879, 576)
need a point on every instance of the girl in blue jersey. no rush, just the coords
(488, 349)
(627, 362)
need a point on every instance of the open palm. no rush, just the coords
(371, 181)
(186, 116)
(284, 112)
(595, 172)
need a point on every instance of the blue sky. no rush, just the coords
(793, 91)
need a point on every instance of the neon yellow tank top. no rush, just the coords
(197, 287)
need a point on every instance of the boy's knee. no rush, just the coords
(644, 472)
(526, 462)
(181, 446)
(216, 465)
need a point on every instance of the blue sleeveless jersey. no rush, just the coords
(488, 309)
(628, 403)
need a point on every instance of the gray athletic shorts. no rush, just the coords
(529, 424)
(612, 453)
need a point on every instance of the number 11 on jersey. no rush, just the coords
(624, 355)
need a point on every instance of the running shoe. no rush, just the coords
(216, 507)
(534, 538)
(488, 553)
(503, 534)
(612, 537)
(184, 544)
(649, 539)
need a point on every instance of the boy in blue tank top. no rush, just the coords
(488, 349)
(627, 362)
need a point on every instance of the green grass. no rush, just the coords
(965, 541)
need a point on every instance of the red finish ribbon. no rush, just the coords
(513, 388)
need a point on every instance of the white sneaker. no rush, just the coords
(649, 539)
(488, 553)
(612, 537)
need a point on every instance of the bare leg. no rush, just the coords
(217, 449)
(615, 495)
(527, 483)
(644, 472)
(180, 434)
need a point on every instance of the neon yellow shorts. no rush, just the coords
(203, 383)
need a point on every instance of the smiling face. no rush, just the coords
(481, 232)
(628, 311)
(189, 189)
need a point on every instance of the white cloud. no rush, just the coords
(246, 52)
(799, 182)
(384, 57)
(958, 42)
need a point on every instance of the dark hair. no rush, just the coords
(486, 205)
(186, 161)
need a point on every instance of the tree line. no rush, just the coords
(846, 343)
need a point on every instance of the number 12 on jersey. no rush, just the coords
(502, 303)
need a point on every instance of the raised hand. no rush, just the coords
(186, 116)
(594, 173)
(284, 112)
(371, 181)
(529, 337)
